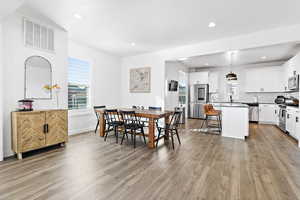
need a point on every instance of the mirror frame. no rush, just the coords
(25, 77)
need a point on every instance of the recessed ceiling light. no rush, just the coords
(133, 44)
(211, 25)
(77, 16)
(182, 59)
(206, 64)
(263, 57)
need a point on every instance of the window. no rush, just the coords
(78, 84)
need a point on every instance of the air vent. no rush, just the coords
(38, 36)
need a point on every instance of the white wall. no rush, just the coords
(14, 56)
(157, 60)
(173, 73)
(105, 85)
(1, 94)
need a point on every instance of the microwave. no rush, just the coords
(293, 83)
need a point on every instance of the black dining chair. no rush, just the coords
(97, 115)
(171, 128)
(132, 125)
(115, 121)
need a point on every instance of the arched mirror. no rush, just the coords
(38, 78)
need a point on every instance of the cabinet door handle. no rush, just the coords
(45, 128)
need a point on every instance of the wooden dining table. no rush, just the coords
(151, 115)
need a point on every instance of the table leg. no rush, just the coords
(167, 121)
(101, 125)
(151, 134)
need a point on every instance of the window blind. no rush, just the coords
(78, 83)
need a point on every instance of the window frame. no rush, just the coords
(89, 84)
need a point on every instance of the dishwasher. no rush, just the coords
(253, 112)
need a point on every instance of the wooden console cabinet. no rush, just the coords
(37, 129)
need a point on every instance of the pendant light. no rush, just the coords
(231, 76)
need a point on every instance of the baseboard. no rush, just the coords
(83, 130)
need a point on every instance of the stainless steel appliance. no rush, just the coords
(198, 96)
(282, 117)
(280, 100)
(292, 101)
(293, 83)
(253, 112)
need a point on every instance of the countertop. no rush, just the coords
(236, 105)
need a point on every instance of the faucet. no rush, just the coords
(231, 100)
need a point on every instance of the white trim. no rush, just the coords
(80, 112)
(78, 131)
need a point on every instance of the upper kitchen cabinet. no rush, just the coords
(198, 78)
(213, 81)
(291, 66)
(264, 79)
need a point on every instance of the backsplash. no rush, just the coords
(252, 97)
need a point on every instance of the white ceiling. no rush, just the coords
(256, 56)
(112, 25)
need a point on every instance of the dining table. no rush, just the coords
(151, 115)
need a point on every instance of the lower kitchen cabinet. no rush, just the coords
(268, 114)
(292, 121)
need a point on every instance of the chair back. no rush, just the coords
(154, 108)
(129, 117)
(112, 115)
(175, 119)
(208, 108)
(98, 107)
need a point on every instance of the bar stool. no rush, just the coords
(210, 112)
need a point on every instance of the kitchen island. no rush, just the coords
(235, 119)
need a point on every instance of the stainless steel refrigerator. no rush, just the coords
(198, 96)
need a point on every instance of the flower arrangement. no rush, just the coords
(49, 87)
(56, 88)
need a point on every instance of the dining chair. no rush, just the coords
(114, 120)
(171, 128)
(97, 115)
(133, 125)
(210, 112)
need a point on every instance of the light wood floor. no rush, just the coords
(266, 166)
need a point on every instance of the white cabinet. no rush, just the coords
(268, 114)
(265, 79)
(213, 81)
(198, 78)
(291, 121)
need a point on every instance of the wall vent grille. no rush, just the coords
(38, 36)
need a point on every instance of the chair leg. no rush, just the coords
(144, 135)
(106, 134)
(97, 126)
(125, 133)
(172, 140)
(220, 125)
(203, 122)
(116, 134)
(134, 138)
(159, 132)
(176, 132)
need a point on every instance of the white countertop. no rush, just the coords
(236, 105)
